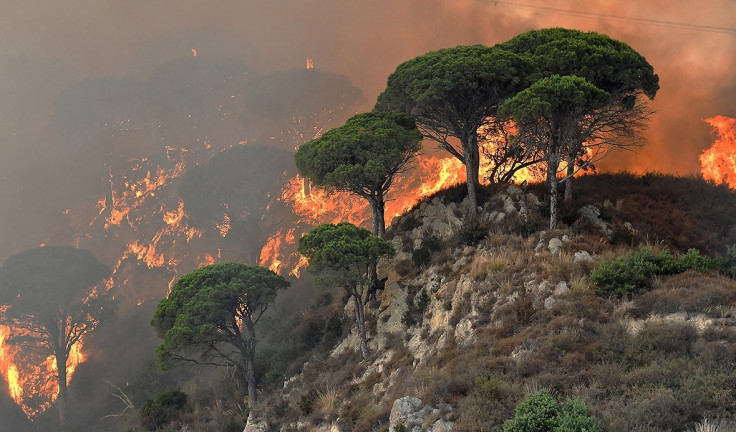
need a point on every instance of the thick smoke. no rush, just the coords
(47, 47)
(94, 94)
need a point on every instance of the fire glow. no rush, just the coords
(32, 385)
(718, 163)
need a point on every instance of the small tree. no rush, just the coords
(210, 318)
(453, 93)
(540, 412)
(51, 296)
(345, 256)
(362, 157)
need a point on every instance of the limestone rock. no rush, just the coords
(582, 256)
(554, 246)
(253, 425)
(592, 214)
(411, 413)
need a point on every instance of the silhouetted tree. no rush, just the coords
(454, 92)
(51, 296)
(243, 183)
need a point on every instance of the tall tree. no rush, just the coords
(362, 157)
(243, 186)
(453, 93)
(210, 318)
(51, 298)
(548, 115)
(610, 65)
(345, 256)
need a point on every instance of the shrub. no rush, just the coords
(166, 407)
(540, 412)
(473, 230)
(727, 264)
(631, 273)
(692, 260)
(414, 313)
(423, 255)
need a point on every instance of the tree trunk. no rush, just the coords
(378, 209)
(61, 379)
(472, 166)
(568, 179)
(553, 164)
(360, 324)
(250, 368)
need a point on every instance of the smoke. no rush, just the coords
(95, 95)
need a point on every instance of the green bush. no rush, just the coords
(423, 255)
(727, 264)
(414, 313)
(692, 260)
(166, 407)
(540, 412)
(632, 273)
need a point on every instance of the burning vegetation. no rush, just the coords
(718, 163)
(194, 166)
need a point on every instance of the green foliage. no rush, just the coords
(342, 254)
(207, 307)
(540, 412)
(553, 97)
(631, 273)
(362, 157)
(692, 260)
(166, 407)
(415, 308)
(423, 254)
(727, 264)
(609, 64)
(455, 90)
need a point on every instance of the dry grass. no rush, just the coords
(327, 400)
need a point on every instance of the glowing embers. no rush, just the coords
(718, 163)
(31, 378)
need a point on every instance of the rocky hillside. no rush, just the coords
(479, 313)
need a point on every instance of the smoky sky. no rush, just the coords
(47, 46)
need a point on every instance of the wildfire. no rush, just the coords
(270, 253)
(428, 176)
(718, 163)
(194, 52)
(310, 63)
(28, 381)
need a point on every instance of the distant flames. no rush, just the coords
(310, 63)
(718, 163)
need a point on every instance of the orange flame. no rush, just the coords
(310, 63)
(194, 52)
(718, 163)
(28, 383)
(271, 252)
